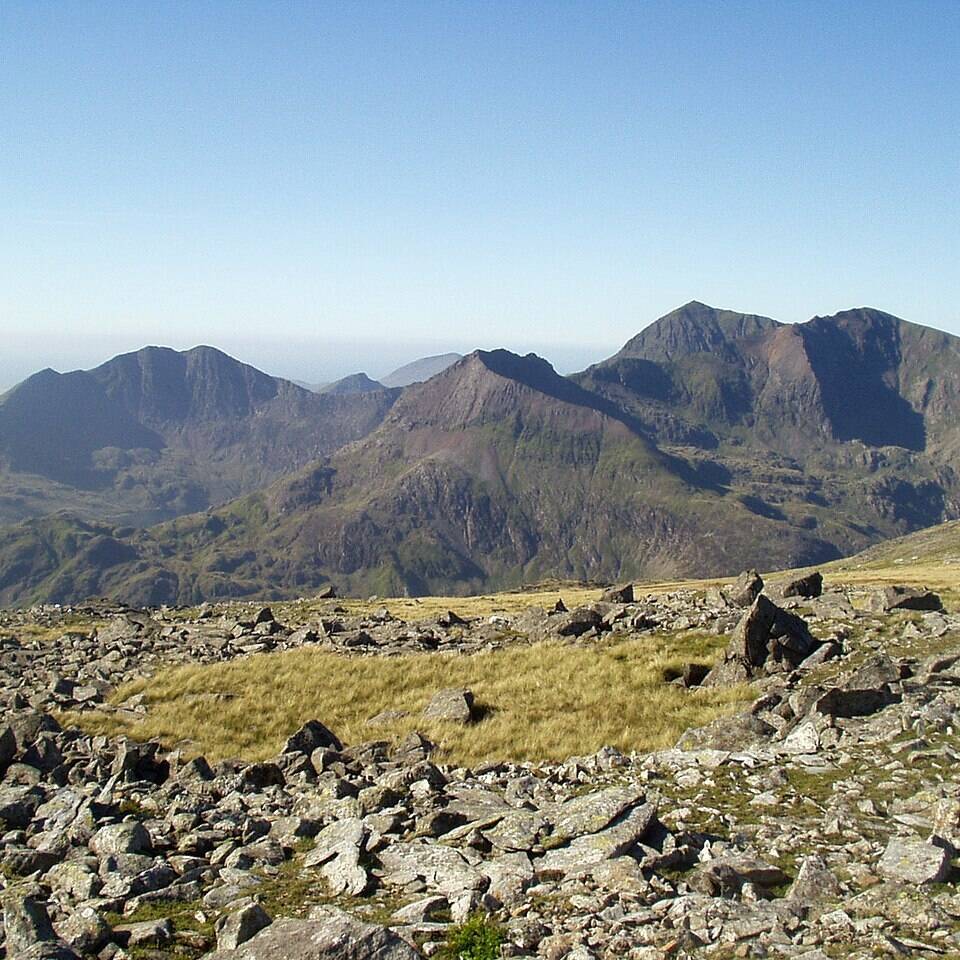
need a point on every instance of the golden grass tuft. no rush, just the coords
(542, 702)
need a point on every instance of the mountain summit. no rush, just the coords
(694, 328)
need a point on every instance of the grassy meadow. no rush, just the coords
(540, 702)
(547, 701)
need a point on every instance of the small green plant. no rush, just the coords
(479, 938)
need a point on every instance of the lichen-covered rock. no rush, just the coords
(328, 934)
(245, 920)
(914, 861)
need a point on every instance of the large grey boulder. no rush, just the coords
(309, 737)
(327, 934)
(85, 930)
(814, 882)
(767, 638)
(443, 869)
(127, 837)
(807, 587)
(591, 812)
(910, 598)
(621, 594)
(871, 688)
(576, 622)
(592, 848)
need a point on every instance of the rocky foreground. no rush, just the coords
(822, 821)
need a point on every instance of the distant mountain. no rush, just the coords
(355, 383)
(420, 370)
(720, 379)
(713, 441)
(496, 472)
(157, 433)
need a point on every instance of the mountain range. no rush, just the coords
(154, 434)
(712, 441)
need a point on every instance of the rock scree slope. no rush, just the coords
(822, 821)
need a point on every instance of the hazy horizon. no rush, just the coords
(313, 363)
(316, 361)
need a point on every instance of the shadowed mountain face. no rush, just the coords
(707, 376)
(713, 441)
(51, 424)
(157, 433)
(858, 360)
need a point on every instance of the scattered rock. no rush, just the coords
(451, 706)
(621, 594)
(909, 598)
(807, 586)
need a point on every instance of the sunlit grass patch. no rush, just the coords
(541, 702)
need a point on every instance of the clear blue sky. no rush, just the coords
(317, 187)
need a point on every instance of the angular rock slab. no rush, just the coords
(593, 848)
(591, 812)
(910, 860)
(328, 934)
(337, 855)
(243, 922)
(442, 868)
(452, 706)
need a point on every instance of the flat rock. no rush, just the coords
(591, 812)
(592, 848)
(442, 868)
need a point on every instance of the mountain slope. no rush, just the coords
(355, 383)
(712, 442)
(420, 370)
(860, 410)
(494, 473)
(156, 433)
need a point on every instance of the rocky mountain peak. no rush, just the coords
(694, 328)
(496, 386)
(160, 385)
